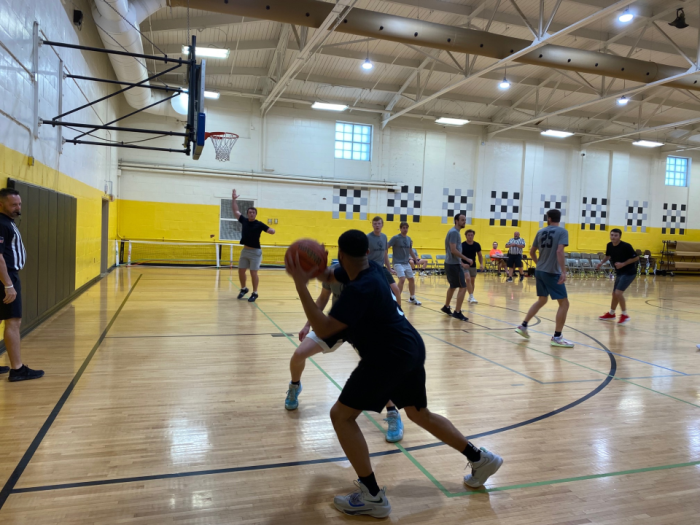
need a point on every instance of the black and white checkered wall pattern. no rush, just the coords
(455, 202)
(505, 208)
(350, 203)
(594, 213)
(637, 216)
(552, 202)
(674, 219)
(404, 205)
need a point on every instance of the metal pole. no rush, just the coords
(216, 247)
(121, 145)
(113, 52)
(113, 128)
(231, 263)
(35, 79)
(128, 262)
(60, 104)
(161, 88)
(116, 252)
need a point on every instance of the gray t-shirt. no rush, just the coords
(377, 247)
(402, 248)
(453, 236)
(547, 241)
(335, 288)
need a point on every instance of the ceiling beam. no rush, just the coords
(198, 22)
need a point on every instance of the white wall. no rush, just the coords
(92, 165)
(299, 142)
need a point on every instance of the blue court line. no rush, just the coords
(578, 343)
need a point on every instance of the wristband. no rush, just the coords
(8, 287)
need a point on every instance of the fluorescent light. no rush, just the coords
(367, 64)
(626, 16)
(207, 52)
(329, 107)
(555, 133)
(212, 94)
(505, 84)
(622, 101)
(451, 121)
(647, 144)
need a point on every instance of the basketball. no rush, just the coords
(311, 255)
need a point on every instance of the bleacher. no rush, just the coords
(680, 256)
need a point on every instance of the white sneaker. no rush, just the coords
(561, 342)
(483, 469)
(415, 301)
(522, 330)
(362, 503)
(472, 300)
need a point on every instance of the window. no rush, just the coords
(353, 141)
(677, 171)
(229, 227)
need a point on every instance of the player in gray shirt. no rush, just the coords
(379, 253)
(403, 253)
(550, 276)
(453, 268)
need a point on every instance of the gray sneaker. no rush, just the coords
(522, 331)
(561, 342)
(361, 503)
(483, 469)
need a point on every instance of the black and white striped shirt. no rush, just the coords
(516, 250)
(11, 245)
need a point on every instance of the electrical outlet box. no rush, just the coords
(275, 221)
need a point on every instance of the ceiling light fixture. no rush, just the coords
(556, 133)
(504, 84)
(367, 64)
(451, 121)
(329, 107)
(215, 95)
(647, 144)
(622, 101)
(207, 52)
(626, 16)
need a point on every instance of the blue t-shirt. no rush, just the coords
(376, 325)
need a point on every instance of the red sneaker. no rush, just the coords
(607, 316)
(623, 319)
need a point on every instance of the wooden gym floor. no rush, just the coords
(163, 403)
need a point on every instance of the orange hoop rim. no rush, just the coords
(220, 134)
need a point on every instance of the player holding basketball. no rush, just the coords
(550, 276)
(379, 253)
(311, 345)
(403, 253)
(453, 268)
(391, 367)
(251, 254)
(624, 259)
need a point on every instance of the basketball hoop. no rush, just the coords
(223, 144)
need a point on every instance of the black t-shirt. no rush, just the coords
(621, 253)
(11, 245)
(470, 250)
(251, 231)
(376, 325)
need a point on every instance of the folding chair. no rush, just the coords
(430, 268)
(440, 264)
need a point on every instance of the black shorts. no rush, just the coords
(389, 277)
(371, 387)
(455, 276)
(14, 309)
(515, 260)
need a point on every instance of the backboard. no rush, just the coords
(196, 118)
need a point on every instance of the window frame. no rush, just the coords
(675, 172)
(352, 146)
(242, 205)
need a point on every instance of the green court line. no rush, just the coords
(449, 494)
(594, 370)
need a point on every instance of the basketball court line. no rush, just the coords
(9, 486)
(183, 335)
(647, 302)
(567, 326)
(638, 312)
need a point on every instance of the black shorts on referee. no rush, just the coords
(14, 309)
(515, 260)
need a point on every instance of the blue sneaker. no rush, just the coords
(395, 432)
(292, 401)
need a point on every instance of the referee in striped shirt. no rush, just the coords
(12, 261)
(515, 256)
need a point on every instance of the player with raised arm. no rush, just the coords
(251, 254)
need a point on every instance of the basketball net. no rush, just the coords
(223, 144)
